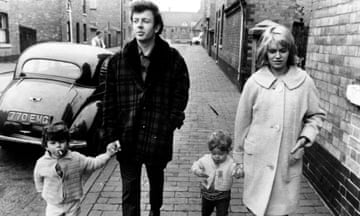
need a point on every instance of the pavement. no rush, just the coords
(212, 105)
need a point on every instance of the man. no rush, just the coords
(98, 40)
(146, 94)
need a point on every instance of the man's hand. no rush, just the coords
(238, 172)
(301, 143)
(113, 147)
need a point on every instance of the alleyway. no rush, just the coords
(213, 101)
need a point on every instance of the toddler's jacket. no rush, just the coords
(55, 189)
(220, 175)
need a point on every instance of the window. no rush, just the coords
(93, 4)
(84, 6)
(4, 28)
(51, 68)
(85, 32)
(68, 31)
(77, 32)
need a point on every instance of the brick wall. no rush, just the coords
(44, 16)
(49, 19)
(281, 11)
(333, 58)
(107, 17)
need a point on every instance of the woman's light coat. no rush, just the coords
(272, 114)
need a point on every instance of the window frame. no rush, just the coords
(6, 28)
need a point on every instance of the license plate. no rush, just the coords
(29, 117)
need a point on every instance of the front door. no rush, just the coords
(27, 37)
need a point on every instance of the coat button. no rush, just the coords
(143, 126)
(271, 166)
(279, 87)
(154, 137)
(276, 127)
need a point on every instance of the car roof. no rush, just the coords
(64, 51)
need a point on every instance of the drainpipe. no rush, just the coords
(121, 23)
(241, 38)
(68, 9)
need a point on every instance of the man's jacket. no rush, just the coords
(143, 115)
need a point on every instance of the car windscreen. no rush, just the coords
(50, 68)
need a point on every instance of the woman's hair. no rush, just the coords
(56, 131)
(139, 6)
(220, 140)
(279, 34)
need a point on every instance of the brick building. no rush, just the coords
(27, 22)
(333, 60)
(331, 55)
(229, 29)
(180, 26)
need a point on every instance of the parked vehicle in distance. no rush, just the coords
(54, 81)
(197, 39)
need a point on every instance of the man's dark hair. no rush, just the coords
(140, 6)
(57, 131)
(98, 32)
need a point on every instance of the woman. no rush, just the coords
(277, 116)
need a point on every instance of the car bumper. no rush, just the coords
(36, 141)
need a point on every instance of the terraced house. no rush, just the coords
(25, 22)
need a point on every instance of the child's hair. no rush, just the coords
(57, 131)
(281, 35)
(221, 140)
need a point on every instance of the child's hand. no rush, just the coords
(113, 147)
(200, 173)
(238, 172)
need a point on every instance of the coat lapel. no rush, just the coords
(159, 61)
(131, 61)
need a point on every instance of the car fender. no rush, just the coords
(84, 120)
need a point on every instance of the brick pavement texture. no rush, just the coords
(212, 105)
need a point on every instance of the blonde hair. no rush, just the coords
(279, 34)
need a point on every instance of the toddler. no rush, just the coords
(58, 173)
(217, 170)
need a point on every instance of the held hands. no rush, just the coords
(301, 143)
(113, 147)
(238, 172)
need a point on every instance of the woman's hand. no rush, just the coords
(238, 172)
(301, 143)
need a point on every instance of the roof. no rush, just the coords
(180, 18)
(64, 51)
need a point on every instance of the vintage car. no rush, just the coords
(54, 81)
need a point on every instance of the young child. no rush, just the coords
(217, 170)
(58, 173)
